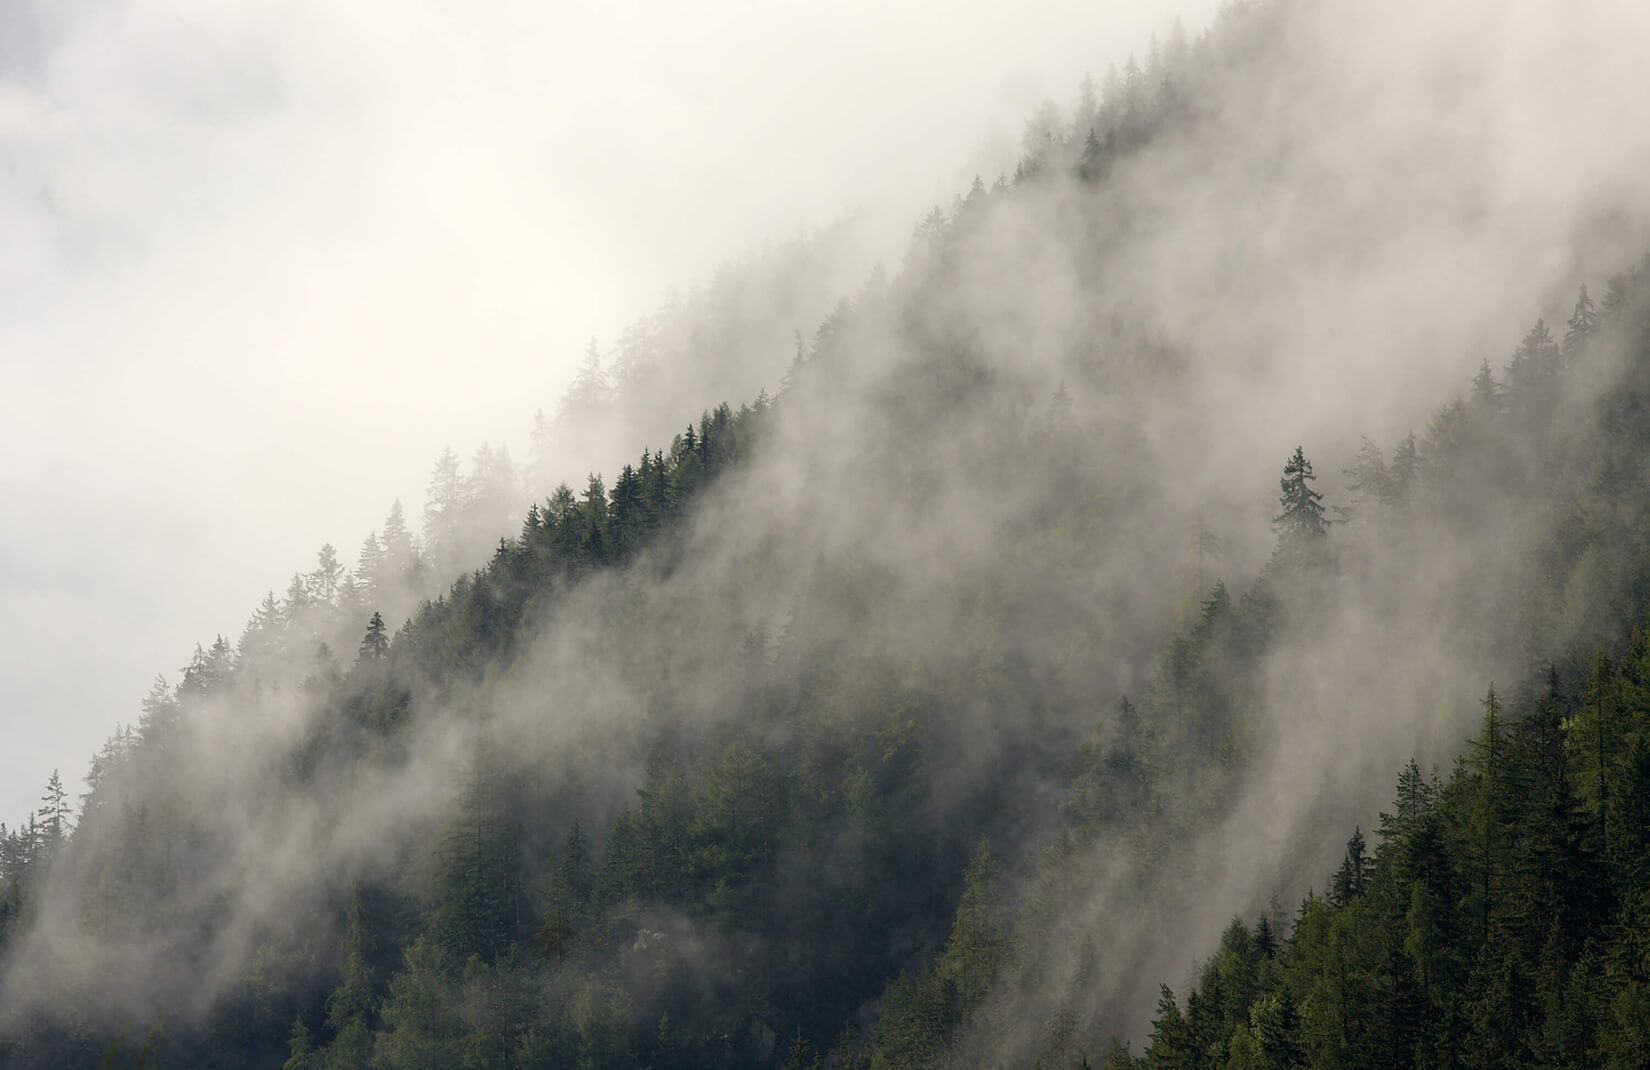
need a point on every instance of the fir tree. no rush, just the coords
(1580, 327)
(1302, 521)
(54, 815)
(376, 642)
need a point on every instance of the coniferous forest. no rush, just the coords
(1002, 679)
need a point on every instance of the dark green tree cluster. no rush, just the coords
(1499, 921)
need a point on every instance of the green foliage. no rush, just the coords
(923, 1012)
(1495, 925)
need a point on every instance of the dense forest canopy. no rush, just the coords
(936, 701)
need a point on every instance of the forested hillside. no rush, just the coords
(1495, 918)
(940, 702)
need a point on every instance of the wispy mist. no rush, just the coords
(964, 530)
(262, 264)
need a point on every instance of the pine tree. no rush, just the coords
(801, 1055)
(1367, 478)
(160, 713)
(295, 607)
(1414, 799)
(1486, 398)
(421, 1030)
(444, 502)
(1351, 879)
(1275, 1024)
(329, 573)
(1488, 759)
(491, 493)
(478, 888)
(625, 519)
(369, 564)
(793, 374)
(574, 874)
(301, 1048)
(352, 1001)
(1302, 521)
(54, 813)
(1400, 474)
(539, 446)
(399, 553)
(594, 543)
(979, 938)
(207, 668)
(1091, 164)
(1266, 940)
(1172, 1046)
(1535, 361)
(531, 526)
(1582, 322)
(376, 643)
(589, 394)
(1599, 700)
(1207, 544)
(568, 901)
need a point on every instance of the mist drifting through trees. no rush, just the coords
(1005, 657)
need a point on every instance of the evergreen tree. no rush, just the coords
(369, 565)
(1171, 1046)
(302, 1054)
(398, 550)
(478, 883)
(1400, 474)
(350, 1007)
(1367, 478)
(324, 582)
(160, 714)
(1489, 761)
(979, 935)
(1581, 325)
(1352, 878)
(54, 814)
(801, 1055)
(1487, 394)
(376, 642)
(1302, 521)
(444, 503)
(421, 1031)
(589, 394)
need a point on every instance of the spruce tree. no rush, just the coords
(376, 643)
(1302, 521)
(160, 713)
(1582, 322)
(1353, 876)
(54, 812)
(397, 543)
(1400, 474)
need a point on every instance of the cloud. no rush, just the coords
(263, 261)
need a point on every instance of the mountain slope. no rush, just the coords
(809, 731)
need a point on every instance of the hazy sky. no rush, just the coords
(260, 261)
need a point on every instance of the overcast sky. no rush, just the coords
(260, 261)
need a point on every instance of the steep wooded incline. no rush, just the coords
(940, 707)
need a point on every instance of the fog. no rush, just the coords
(1360, 212)
(262, 262)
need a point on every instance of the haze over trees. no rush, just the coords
(943, 697)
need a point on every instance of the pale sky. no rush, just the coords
(260, 261)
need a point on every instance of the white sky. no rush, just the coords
(260, 261)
